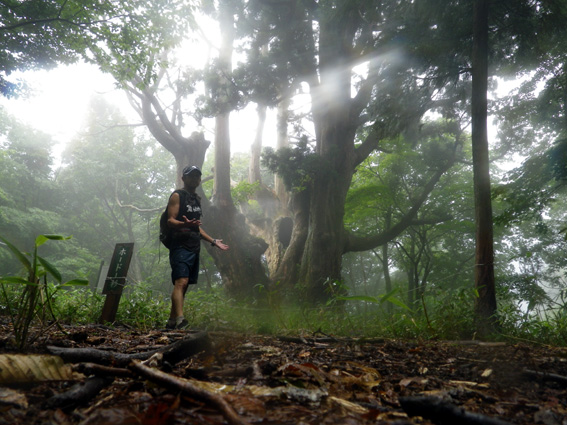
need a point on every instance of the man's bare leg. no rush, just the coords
(177, 297)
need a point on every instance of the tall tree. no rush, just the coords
(485, 307)
(332, 38)
(240, 267)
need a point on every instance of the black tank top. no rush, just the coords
(190, 207)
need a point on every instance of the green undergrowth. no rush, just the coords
(448, 317)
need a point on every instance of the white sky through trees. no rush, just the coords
(59, 100)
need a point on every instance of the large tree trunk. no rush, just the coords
(485, 307)
(335, 131)
(324, 247)
(240, 267)
(285, 270)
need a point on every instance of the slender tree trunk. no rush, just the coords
(386, 260)
(256, 148)
(282, 141)
(412, 272)
(485, 307)
(386, 272)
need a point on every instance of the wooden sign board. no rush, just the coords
(116, 280)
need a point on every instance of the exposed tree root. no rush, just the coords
(172, 353)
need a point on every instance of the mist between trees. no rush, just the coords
(364, 201)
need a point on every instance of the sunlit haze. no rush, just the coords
(59, 99)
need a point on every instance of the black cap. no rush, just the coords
(190, 168)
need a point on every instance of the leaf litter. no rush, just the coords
(255, 379)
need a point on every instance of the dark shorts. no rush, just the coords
(184, 263)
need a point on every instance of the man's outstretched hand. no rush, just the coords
(220, 245)
(191, 223)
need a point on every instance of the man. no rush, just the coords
(184, 219)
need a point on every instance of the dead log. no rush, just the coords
(184, 385)
(78, 394)
(173, 353)
(444, 413)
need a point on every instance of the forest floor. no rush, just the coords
(226, 377)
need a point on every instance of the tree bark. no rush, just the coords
(256, 148)
(386, 270)
(282, 141)
(287, 270)
(241, 266)
(331, 107)
(485, 306)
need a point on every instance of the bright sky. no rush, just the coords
(59, 103)
(58, 106)
(59, 99)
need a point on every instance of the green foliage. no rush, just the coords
(379, 300)
(143, 307)
(296, 165)
(44, 33)
(550, 328)
(35, 299)
(244, 191)
(78, 306)
(448, 314)
(527, 192)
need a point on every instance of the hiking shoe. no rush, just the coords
(170, 325)
(184, 324)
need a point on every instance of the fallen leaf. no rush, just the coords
(417, 380)
(20, 368)
(469, 384)
(349, 405)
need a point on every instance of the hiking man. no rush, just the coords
(184, 221)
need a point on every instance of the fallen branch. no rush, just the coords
(79, 393)
(102, 371)
(477, 343)
(172, 353)
(329, 339)
(180, 384)
(441, 412)
(545, 376)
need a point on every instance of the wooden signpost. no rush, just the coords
(116, 280)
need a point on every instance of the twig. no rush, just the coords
(100, 370)
(186, 386)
